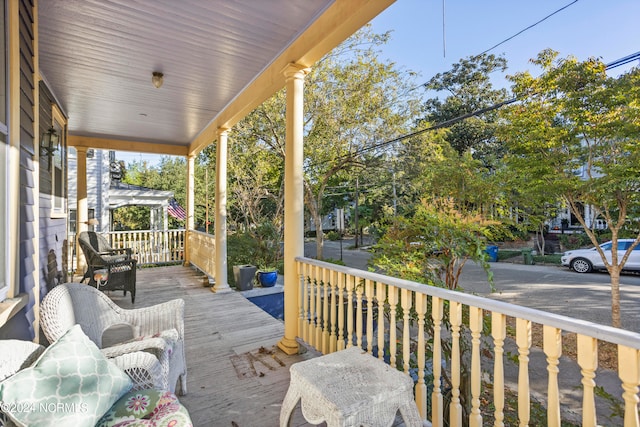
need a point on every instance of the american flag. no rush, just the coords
(176, 211)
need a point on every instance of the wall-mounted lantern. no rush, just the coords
(49, 143)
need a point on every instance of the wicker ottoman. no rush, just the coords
(350, 388)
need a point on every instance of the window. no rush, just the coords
(4, 249)
(73, 221)
(623, 246)
(59, 165)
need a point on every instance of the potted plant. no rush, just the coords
(267, 276)
(268, 253)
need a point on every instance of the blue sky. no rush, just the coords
(607, 29)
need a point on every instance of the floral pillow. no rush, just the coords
(146, 408)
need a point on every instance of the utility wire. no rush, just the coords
(622, 61)
(447, 123)
(444, 36)
(529, 27)
(503, 41)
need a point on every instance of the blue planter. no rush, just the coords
(267, 278)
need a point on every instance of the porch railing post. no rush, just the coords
(82, 212)
(293, 203)
(190, 209)
(221, 213)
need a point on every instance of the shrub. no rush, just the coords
(547, 259)
(574, 241)
(508, 253)
(241, 249)
(333, 236)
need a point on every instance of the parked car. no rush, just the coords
(587, 260)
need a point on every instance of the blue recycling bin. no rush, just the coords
(492, 251)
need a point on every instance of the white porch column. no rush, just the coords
(221, 213)
(82, 212)
(165, 217)
(190, 207)
(153, 218)
(293, 203)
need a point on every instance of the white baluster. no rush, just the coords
(318, 332)
(421, 387)
(312, 307)
(359, 331)
(523, 340)
(325, 311)
(333, 286)
(455, 408)
(629, 373)
(368, 291)
(341, 325)
(437, 406)
(349, 285)
(553, 350)
(405, 298)
(306, 316)
(475, 324)
(393, 347)
(588, 361)
(499, 333)
(380, 298)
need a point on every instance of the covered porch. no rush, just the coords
(107, 94)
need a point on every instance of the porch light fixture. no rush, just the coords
(157, 78)
(49, 143)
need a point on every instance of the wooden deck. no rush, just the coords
(236, 374)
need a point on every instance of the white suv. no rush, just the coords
(587, 260)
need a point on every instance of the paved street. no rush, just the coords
(549, 288)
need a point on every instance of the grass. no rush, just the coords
(547, 259)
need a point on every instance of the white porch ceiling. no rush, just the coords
(97, 56)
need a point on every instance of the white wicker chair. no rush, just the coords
(143, 368)
(16, 355)
(158, 329)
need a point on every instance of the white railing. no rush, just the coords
(455, 344)
(202, 252)
(151, 246)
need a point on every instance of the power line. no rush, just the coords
(622, 61)
(508, 38)
(447, 123)
(529, 27)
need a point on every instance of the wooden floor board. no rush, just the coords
(220, 329)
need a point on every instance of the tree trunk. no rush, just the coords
(614, 272)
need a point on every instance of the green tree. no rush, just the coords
(352, 102)
(469, 89)
(256, 193)
(576, 133)
(461, 159)
(433, 245)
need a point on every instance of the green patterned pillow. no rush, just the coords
(72, 383)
